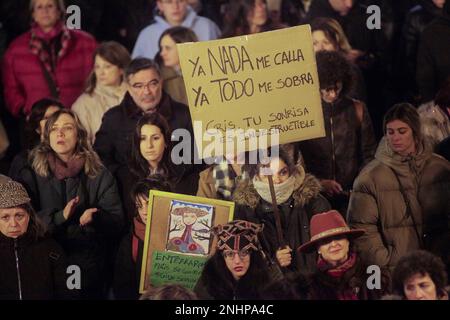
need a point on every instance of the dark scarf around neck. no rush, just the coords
(62, 170)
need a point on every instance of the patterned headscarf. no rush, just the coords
(238, 235)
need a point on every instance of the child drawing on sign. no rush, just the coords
(188, 242)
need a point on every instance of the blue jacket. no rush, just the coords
(147, 44)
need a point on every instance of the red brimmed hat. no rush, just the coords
(325, 225)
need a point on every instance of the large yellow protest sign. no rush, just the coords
(263, 81)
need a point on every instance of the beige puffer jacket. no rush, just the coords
(377, 205)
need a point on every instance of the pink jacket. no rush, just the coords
(23, 79)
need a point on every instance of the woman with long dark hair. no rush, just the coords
(150, 155)
(238, 269)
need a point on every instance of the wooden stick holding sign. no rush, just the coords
(276, 212)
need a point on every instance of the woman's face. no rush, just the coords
(237, 262)
(50, 110)
(107, 74)
(331, 94)
(321, 42)
(169, 52)
(189, 218)
(13, 222)
(63, 136)
(420, 287)
(45, 13)
(335, 250)
(142, 206)
(258, 16)
(400, 137)
(439, 3)
(152, 144)
(279, 170)
(174, 11)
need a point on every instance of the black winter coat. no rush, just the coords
(127, 271)
(40, 272)
(296, 213)
(433, 57)
(348, 145)
(114, 138)
(85, 246)
(417, 19)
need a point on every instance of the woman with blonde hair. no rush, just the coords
(105, 86)
(76, 197)
(328, 35)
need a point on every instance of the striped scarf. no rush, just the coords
(51, 46)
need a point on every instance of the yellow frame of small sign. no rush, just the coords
(157, 225)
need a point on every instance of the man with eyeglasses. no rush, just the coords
(173, 13)
(145, 95)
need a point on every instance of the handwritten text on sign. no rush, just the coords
(262, 81)
(176, 268)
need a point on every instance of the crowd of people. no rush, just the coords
(88, 120)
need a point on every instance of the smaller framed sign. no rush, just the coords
(178, 240)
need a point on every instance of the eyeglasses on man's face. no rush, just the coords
(139, 86)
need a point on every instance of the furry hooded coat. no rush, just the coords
(296, 213)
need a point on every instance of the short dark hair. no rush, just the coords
(420, 262)
(140, 64)
(38, 110)
(143, 187)
(332, 68)
(406, 113)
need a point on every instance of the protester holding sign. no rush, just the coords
(238, 269)
(298, 198)
(340, 274)
(349, 143)
(402, 197)
(127, 271)
(76, 197)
